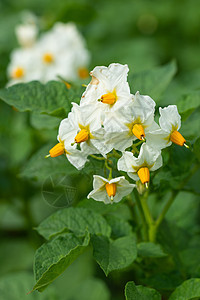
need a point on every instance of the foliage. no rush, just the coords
(88, 239)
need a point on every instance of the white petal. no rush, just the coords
(77, 159)
(144, 101)
(134, 176)
(99, 181)
(120, 140)
(169, 118)
(148, 154)
(158, 139)
(126, 162)
(158, 163)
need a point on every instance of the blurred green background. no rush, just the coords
(143, 34)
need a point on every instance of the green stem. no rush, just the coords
(98, 158)
(166, 208)
(144, 223)
(109, 168)
(172, 198)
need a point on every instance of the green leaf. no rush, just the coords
(139, 292)
(119, 226)
(146, 249)
(16, 286)
(153, 82)
(77, 220)
(92, 289)
(52, 258)
(114, 255)
(196, 148)
(43, 121)
(189, 102)
(40, 168)
(51, 98)
(189, 289)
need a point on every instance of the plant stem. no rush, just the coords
(98, 158)
(144, 223)
(109, 168)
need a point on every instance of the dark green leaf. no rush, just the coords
(146, 249)
(197, 148)
(16, 286)
(153, 82)
(52, 258)
(76, 220)
(189, 102)
(40, 167)
(51, 98)
(189, 289)
(119, 226)
(139, 292)
(114, 255)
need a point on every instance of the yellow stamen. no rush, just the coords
(177, 138)
(138, 131)
(57, 150)
(48, 58)
(109, 98)
(111, 189)
(83, 73)
(82, 136)
(18, 73)
(144, 175)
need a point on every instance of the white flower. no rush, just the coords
(61, 52)
(110, 191)
(83, 126)
(76, 158)
(170, 123)
(149, 159)
(108, 88)
(26, 34)
(131, 122)
(21, 67)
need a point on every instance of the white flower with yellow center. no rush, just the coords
(22, 67)
(76, 157)
(108, 88)
(149, 159)
(131, 122)
(81, 129)
(170, 123)
(61, 52)
(110, 191)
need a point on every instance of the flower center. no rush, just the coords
(144, 174)
(82, 136)
(57, 150)
(177, 138)
(111, 189)
(48, 58)
(138, 131)
(83, 73)
(18, 73)
(109, 98)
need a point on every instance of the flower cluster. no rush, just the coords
(112, 122)
(59, 52)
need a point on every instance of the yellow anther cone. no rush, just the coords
(18, 73)
(138, 131)
(109, 98)
(177, 138)
(48, 58)
(82, 136)
(57, 150)
(111, 189)
(144, 174)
